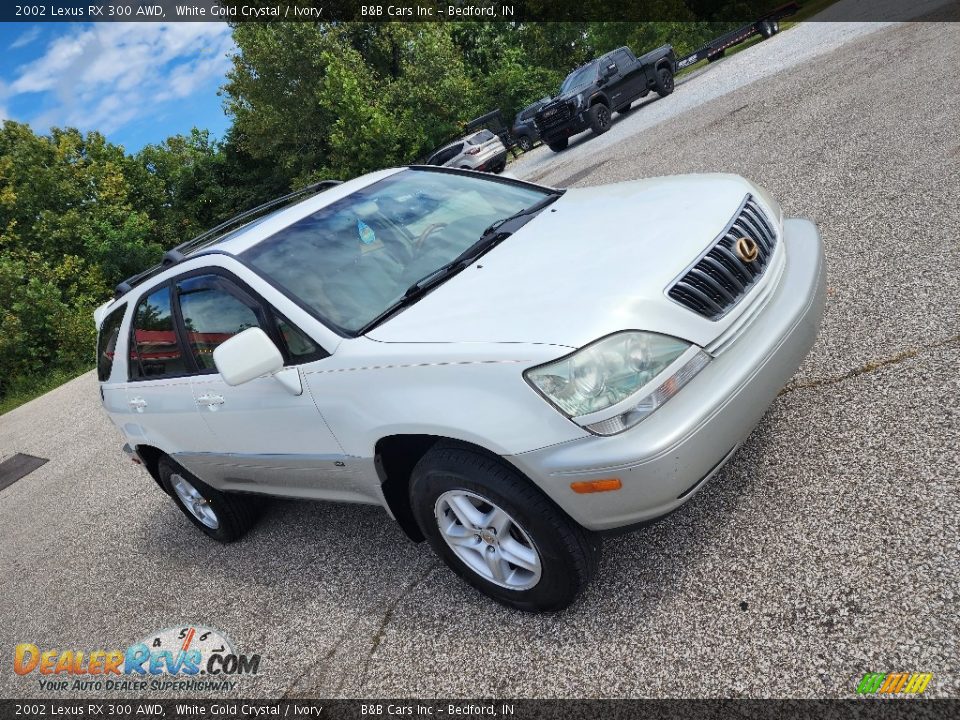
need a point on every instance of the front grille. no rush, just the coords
(553, 116)
(720, 278)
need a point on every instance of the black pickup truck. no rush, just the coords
(608, 84)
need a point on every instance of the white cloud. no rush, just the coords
(26, 38)
(107, 75)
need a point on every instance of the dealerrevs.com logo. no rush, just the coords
(191, 658)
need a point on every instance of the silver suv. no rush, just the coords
(508, 369)
(480, 151)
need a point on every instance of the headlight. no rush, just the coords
(614, 383)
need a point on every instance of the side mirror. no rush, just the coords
(246, 356)
(610, 71)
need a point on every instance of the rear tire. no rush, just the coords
(480, 515)
(559, 145)
(223, 516)
(600, 119)
(664, 81)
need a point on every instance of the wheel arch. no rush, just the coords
(150, 457)
(395, 456)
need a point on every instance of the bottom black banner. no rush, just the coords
(474, 709)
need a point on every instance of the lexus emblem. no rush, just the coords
(747, 249)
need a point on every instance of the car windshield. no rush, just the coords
(355, 258)
(585, 75)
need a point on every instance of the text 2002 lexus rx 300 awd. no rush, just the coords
(506, 368)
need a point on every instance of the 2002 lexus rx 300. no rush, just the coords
(508, 369)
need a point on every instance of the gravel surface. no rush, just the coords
(828, 547)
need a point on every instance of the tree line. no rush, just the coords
(307, 101)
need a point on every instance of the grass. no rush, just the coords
(23, 390)
(806, 11)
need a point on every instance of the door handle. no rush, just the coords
(138, 404)
(210, 401)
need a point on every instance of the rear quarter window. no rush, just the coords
(107, 342)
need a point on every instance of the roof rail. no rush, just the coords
(205, 239)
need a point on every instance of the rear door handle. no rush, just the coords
(210, 401)
(138, 404)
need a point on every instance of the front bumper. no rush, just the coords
(575, 125)
(666, 459)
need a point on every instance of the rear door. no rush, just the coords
(162, 411)
(452, 156)
(632, 80)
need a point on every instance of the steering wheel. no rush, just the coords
(427, 232)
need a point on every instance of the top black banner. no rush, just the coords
(726, 11)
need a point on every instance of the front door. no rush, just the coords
(266, 438)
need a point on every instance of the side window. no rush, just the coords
(212, 313)
(451, 153)
(107, 342)
(621, 58)
(155, 350)
(299, 346)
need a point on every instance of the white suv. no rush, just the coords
(508, 369)
(481, 150)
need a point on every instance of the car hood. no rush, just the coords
(596, 261)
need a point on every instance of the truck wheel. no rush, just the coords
(664, 81)
(558, 145)
(766, 29)
(222, 516)
(498, 532)
(525, 143)
(599, 119)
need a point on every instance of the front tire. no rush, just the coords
(525, 143)
(599, 119)
(498, 532)
(222, 516)
(559, 145)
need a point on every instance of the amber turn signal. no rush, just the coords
(592, 486)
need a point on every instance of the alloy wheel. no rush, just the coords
(488, 540)
(195, 503)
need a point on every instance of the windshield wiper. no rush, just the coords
(494, 234)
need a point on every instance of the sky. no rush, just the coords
(137, 83)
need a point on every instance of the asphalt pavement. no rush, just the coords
(827, 548)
